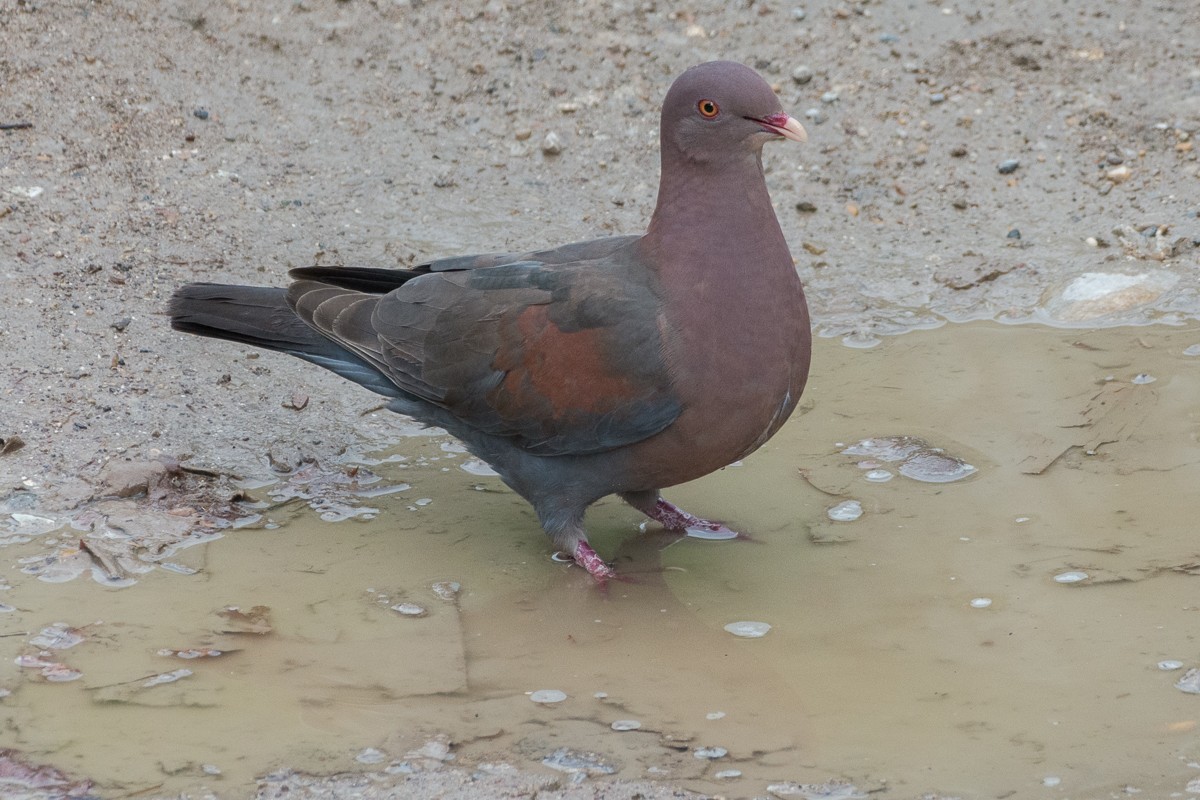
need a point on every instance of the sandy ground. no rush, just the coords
(149, 144)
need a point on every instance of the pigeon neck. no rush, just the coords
(713, 206)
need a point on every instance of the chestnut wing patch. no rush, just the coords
(563, 359)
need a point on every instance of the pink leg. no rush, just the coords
(586, 557)
(674, 518)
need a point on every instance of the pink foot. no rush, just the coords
(586, 557)
(674, 518)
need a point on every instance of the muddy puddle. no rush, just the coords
(1017, 632)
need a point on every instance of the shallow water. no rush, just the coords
(885, 664)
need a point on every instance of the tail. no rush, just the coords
(261, 317)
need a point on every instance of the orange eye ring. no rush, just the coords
(708, 109)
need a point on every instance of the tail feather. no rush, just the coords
(261, 317)
(360, 279)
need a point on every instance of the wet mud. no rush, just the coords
(985, 636)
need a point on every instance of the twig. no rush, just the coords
(15, 126)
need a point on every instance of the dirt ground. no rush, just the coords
(147, 144)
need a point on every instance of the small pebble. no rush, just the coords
(626, 725)
(210, 769)
(802, 74)
(200, 113)
(1014, 234)
(548, 696)
(958, 151)
(1070, 577)
(829, 97)
(748, 630)
(1008, 166)
(718, 714)
(447, 590)
(1051, 781)
(1119, 174)
(981, 602)
(1170, 665)
(799, 14)
(552, 145)
(888, 38)
(815, 115)
(937, 97)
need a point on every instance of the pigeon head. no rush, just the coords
(715, 110)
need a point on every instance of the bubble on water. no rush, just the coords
(422, 502)
(1074, 576)
(861, 340)
(933, 466)
(400, 768)
(728, 774)
(1051, 781)
(748, 630)
(981, 602)
(1143, 378)
(1193, 350)
(886, 448)
(32, 524)
(192, 652)
(452, 447)
(715, 715)
(626, 725)
(335, 511)
(60, 673)
(370, 755)
(547, 696)
(920, 461)
(845, 511)
(379, 491)
(710, 753)
(1169, 665)
(565, 759)
(879, 476)
(479, 468)
(600, 695)
(104, 578)
(710, 534)
(53, 671)
(410, 610)
(1190, 682)
(447, 590)
(833, 790)
(167, 677)
(210, 769)
(58, 636)
(245, 522)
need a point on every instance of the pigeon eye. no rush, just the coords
(708, 109)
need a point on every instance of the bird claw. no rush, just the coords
(674, 518)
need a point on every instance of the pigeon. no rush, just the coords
(620, 365)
